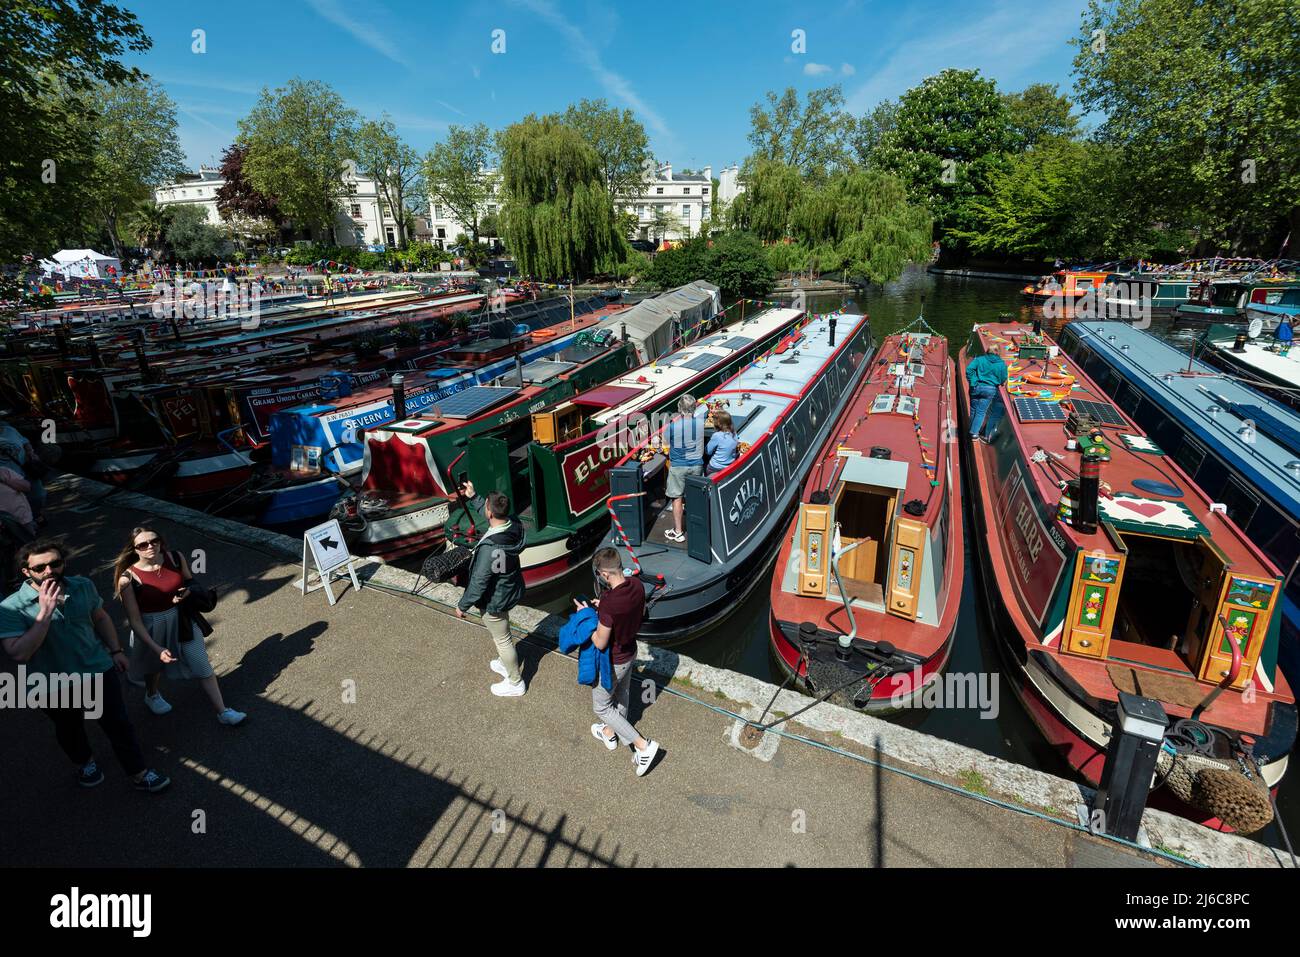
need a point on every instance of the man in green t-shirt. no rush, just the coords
(56, 626)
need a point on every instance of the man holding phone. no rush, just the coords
(56, 626)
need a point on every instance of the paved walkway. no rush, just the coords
(426, 768)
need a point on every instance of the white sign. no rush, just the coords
(329, 552)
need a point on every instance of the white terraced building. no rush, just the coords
(360, 220)
(688, 197)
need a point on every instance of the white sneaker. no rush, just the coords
(496, 665)
(643, 759)
(598, 731)
(156, 704)
(509, 689)
(231, 717)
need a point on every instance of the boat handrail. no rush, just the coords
(845, 640)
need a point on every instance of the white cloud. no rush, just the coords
(364, 33)
(615, 86)
(815, 69)
(847, 69)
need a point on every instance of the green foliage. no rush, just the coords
(393, 165)
(300, 138)
(557, 216)
(1201, 98)
(735, 262)
(767, 205)
(1038, 113)
(421, 257)
(867, 132)
(787, 257)
(191, 238)
(812, 139)
(619, 140)
(310, 253)
(455, 173)
(51, 53)
(951, 136)
(475, 253)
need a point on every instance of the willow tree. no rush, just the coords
(556, 215)
(861, 221)
(765, 207)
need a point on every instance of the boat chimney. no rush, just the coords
(832, 343)
(61, 340)
(1038, 325)
(622, 331)
(96, 360)
(1239, 344)
(1085, 516)
(398, 383)
(519, 369)
(140, 357)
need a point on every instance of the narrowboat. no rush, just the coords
(869, 575)
(783, 406)
(1258, 358)
(559, 490)
(1067, 285)
(1231, 299)
(1107, 569)
(1240, 447)
(412, 463)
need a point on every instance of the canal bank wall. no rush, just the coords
(984, 274)
(864, 790)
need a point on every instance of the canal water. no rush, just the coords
(952, 305)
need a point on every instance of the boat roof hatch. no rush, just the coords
(865, 470)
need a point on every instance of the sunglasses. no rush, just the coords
(37, 569)
(148, 543)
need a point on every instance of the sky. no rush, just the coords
(689, 70)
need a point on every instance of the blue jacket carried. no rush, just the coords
(576, 634)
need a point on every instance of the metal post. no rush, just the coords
(1130, 764)
(398, 383)
(846, 640)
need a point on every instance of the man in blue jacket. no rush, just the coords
(496, 585)
(985, 374)
(620, 613)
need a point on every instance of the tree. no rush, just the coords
(767, 205)
(300, 139)
(456, 173)
(490, 225)
(52, 51)
(147, 223)
(191, 237)
(1038, 112)
(813, 139)
(951, 135)
(867, 133)
(738, 266)
(136, 149)
(237, 197)
(663, 222)
(557, 216)
(618, 139)
(394, 166)
(1203, 101)
(861, 221)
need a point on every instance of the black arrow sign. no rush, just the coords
(329, 543)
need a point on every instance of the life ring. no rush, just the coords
(543, 333)
(1055, 381)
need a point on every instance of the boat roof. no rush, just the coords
(883, 415)
(1038, 425)
(1215, 405)
(1283, 368)
(670, 372)
(760, 395)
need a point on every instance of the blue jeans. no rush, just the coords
(984, 402)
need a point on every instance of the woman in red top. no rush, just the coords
(152, 582)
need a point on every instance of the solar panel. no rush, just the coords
(907, 404)
(544, 368)
(737, 342)
(700, 362)
(1102, 412)
(883, 403)
(1038, 410)
(918, 368)
(711, 341)
(473, 401)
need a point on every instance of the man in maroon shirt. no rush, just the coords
(620, 612)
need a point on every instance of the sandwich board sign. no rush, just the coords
(329, 553)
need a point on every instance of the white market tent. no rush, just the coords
(81, 263)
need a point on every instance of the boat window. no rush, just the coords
(1241, 502)
(1130, 400)
(1190, 454)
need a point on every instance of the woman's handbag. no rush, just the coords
(196, 602)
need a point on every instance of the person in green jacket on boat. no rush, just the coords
(985, 374)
